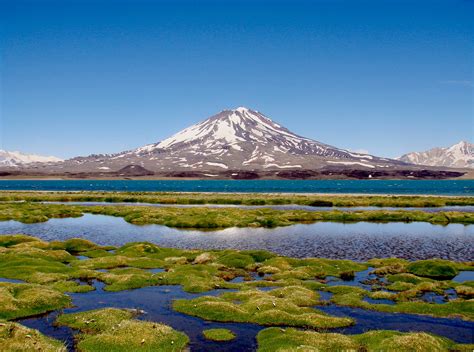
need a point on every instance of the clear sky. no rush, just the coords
(81, 77)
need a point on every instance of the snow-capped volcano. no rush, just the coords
(238, 139)
(242, 129)
(17, 158)
(239, 143)
(457, 155)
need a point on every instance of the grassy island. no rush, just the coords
(219, 334)
(171, 198)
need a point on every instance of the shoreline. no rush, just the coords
(307, 194)
(469, 176)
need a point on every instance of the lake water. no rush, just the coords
(428, 187)
(356, 241)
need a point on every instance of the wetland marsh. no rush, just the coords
(125, 277)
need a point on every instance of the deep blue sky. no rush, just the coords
(80, 77)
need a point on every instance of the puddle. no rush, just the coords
(253, 277)
(156, 270)
(433, 297)
(464, 276)
(364, 279)
(378, 301)
(14, 281)
(325, 296)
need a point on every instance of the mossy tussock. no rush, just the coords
(287, 306)
(111, 329)
(219, 334)
(288, 340)
(238, 199)
(16, 337)
(433, 268)
(23, 300)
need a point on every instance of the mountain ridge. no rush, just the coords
(234, 143)
(16, 158)
(459, 155)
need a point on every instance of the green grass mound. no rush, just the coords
(287, 306)
(34, 266)
(219, 334)
(22, 300)
(289, 340)
(128, 278)
(433, 268)
(115, 330)
(16, 337)
(235, 259)
(13, 240)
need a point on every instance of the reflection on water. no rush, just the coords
(355, 241)
(464, 208)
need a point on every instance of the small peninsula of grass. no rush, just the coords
(214, 218)
(112, 329)
(238, 199)
(219, 334)
(434, 268)
(277, 339)
(16, 337)
(21, 300)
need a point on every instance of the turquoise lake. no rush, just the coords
(426, 187)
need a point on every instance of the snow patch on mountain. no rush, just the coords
(351, 163)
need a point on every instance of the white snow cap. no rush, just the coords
(16, 158)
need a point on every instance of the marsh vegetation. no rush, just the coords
(256, 287)
(239, 199)
(212, 218)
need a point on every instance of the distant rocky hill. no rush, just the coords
(458, 155)
(15, 159)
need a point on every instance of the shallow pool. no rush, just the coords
(356, 241)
